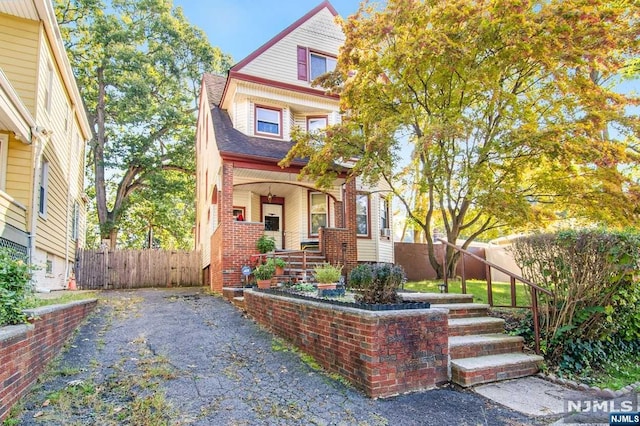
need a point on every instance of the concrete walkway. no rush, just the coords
(185, 357)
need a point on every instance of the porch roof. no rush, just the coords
(234, 142)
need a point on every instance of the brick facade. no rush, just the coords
(233, 243)
(383, 353)
(26, 349)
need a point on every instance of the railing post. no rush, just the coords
(489, 289)
(463, 275)
(514, 301)
(534, 312)
(444, 268)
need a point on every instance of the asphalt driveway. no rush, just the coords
(152, 357)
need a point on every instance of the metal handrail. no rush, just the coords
(535, 289)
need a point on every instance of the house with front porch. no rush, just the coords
(244, 125)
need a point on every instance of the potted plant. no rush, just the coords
(263, 274)
(266, 244)
(279, 264)
(327, 276)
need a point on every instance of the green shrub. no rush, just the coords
(15, 289)
(327, 273)
(264, 271)
(360, 276)
(594, 316)
(377, 283)
(266, 244)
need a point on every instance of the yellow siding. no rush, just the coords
(11, 213)
(19, 171)
(19, 55)
(64, 153)
(208, 166)
(279, 62)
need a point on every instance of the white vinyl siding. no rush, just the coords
(280, 61)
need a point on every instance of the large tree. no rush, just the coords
(508, 107)
(138, 64)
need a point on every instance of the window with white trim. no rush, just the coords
(320, 64)
(268, 121)
(318, 212)
(315, 124)
(75, 221)
(43, 184)
(362, 215)
(384, 214)
(4, 149)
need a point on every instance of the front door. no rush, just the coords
(273, 222)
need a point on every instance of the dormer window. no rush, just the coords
(320, 64)
(315, 124)
(268, 121)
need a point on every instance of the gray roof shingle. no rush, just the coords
(232, 141)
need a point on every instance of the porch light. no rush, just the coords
(269, 195)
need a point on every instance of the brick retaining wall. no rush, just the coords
(26, 349)
(383, 353)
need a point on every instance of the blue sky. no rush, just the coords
(238, 27)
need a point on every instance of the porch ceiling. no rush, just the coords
(260, 181)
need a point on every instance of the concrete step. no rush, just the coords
(492, 368)
(466, 310)
(238, 302)
(437, 298)
(475, 325)
(483, 344)
(230, 292)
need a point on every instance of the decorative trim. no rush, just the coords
(278, 85)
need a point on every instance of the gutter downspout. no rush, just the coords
(39, 138)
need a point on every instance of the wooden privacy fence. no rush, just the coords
(123, 269)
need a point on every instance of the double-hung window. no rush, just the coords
(75, 221)
(362, 215)
(315, 124)
(269, 121)
(318, 212)
(43, 184)
(320, 64)
(384, 213)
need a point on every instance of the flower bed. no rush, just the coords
(382, 353)
(330, 297)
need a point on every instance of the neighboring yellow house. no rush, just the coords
(43, 132)
(244, 129)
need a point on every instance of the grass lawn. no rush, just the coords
(501, 291)
(62, 297)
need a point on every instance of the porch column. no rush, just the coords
(223, 235)
(351, 251)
